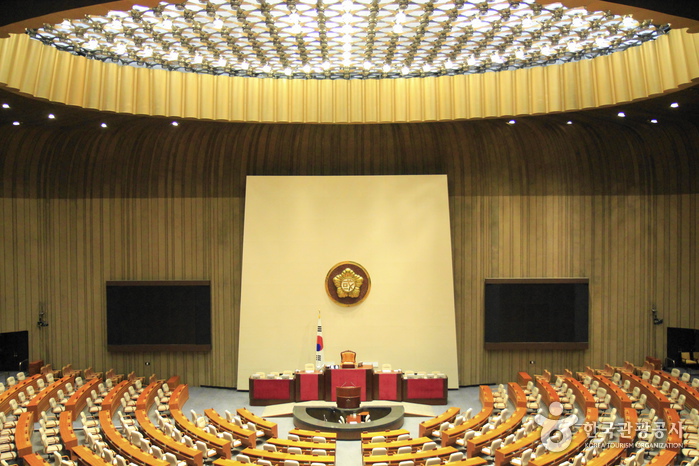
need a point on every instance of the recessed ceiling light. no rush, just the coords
(175, 123)
(569, 122)
(5, 105)
(653, 120)
(621, 114)
(103, 125)
(51, 116)
(16, 123)
(511, 122)
(674, 105)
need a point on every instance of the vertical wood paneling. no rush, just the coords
(612, 202)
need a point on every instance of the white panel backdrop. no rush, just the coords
(297, 228)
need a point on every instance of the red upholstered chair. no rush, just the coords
(348, 359)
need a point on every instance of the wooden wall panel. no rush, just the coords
(612, 201)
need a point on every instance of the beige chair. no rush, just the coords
(490, 449)
(172, 460)
(206, 451)
(685, 356)
(524, 459)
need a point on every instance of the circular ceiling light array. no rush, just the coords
(347, 39)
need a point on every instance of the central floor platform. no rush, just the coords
(328, 419)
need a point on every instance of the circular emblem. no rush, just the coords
(347, 283)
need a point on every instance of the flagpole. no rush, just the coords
(319, 345)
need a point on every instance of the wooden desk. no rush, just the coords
(310, 386)
(111, 401)
(430, 425)
(620, 400)
(224, 462)
(654, 398)
(450, 436)
(477, 461)
(86, 457)
(419, 457)
(548, 393)
(192, 456)
(23, 433)
(504, 455)
(608, 457)
(10, 393)
(268, 427)
(582, 395)
(474, 445)
(65, 428)
(278, 457)
(576, 444)
(309, 434)
(425, 391)
(389, 435)
(246, 436)
(359, 377)
(392, 447)
(41, 401)
(264, 392)
(523, 378)
(78, 400)
(691, 394)
(147, 397)
(121, 445)
(306, 447)
(178, 398)
(516, 395)
(34, 459)
(388, 386)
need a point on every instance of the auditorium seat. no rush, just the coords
(522, 460)
(687, 360)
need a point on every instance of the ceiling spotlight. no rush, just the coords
(175, 123)
(16, 123)
(653, 121)
(51, 116)
(103, 125)
(511, 122)
(5, 105)
(621, 114)
(674, 105)
(569, 122)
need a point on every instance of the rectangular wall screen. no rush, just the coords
(159, 315)
(536, 313)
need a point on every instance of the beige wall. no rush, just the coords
(614, 201)
(297, 228)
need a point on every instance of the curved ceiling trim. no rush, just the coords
(663, 65)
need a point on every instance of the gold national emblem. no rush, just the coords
(348, 284)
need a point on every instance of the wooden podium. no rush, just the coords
(348, 397)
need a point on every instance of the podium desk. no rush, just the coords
(359, 377)
(429, 391)
(388, 386)
(310, 386)
(265, 392)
